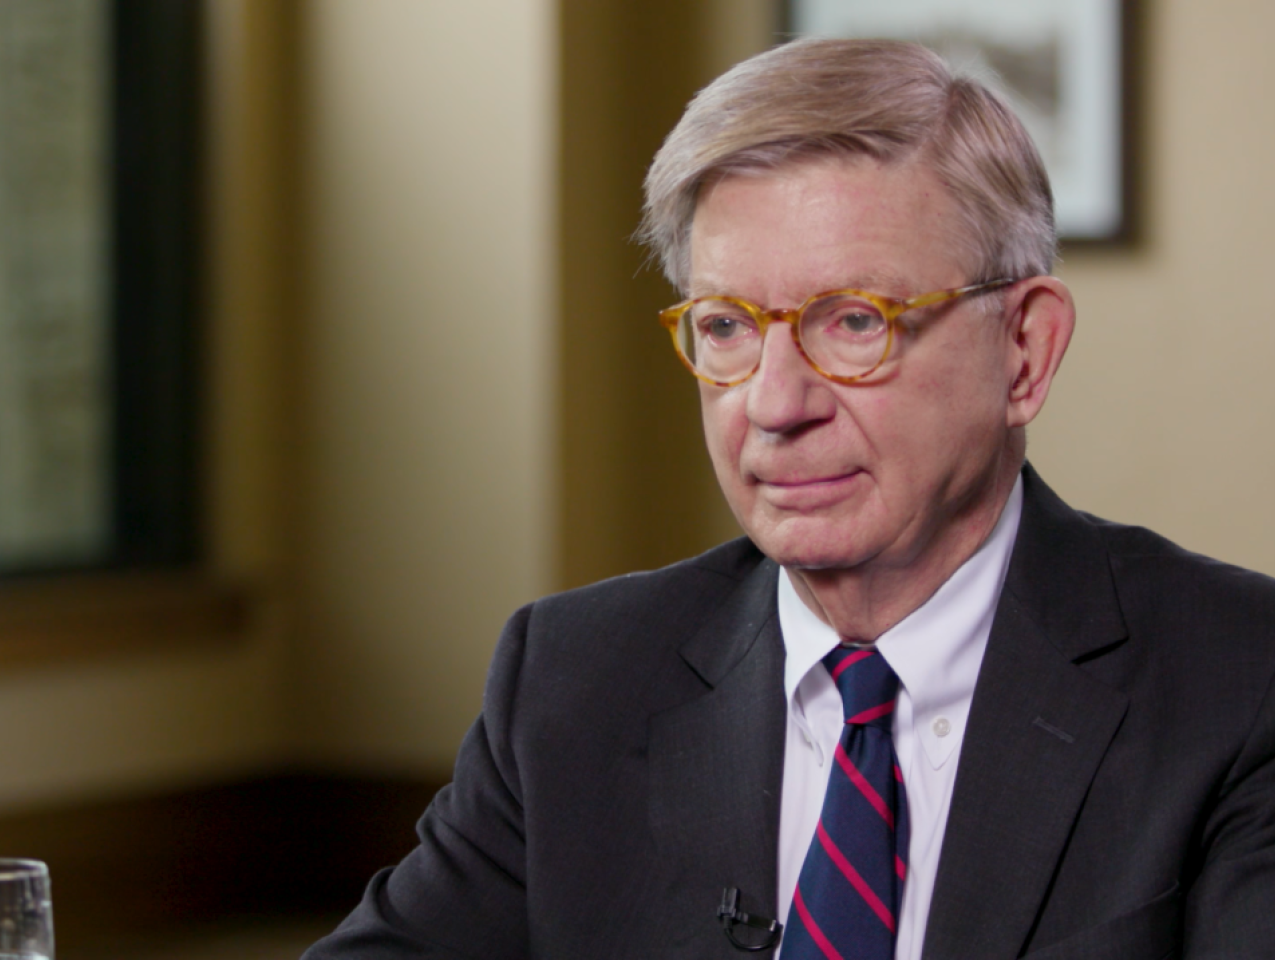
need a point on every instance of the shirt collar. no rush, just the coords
(937, 649)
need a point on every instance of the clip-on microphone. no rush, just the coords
(730, 915)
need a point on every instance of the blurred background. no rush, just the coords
(429, 387)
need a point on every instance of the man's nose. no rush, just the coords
(786, 392)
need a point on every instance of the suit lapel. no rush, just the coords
(1039, 727)
(716, 762)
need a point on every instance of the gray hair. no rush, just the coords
(884, 99)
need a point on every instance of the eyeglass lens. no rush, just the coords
(843, 335)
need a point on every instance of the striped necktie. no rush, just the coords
(846, 905)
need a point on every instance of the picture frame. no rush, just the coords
(1063, 66)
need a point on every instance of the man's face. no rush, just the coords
(878, 475)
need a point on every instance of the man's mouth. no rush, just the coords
(808, 492)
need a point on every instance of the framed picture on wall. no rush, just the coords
(1061, 64)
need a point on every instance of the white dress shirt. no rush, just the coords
(936, 651)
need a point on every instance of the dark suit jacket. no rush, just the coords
(1115, 796)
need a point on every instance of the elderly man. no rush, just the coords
(925, 709)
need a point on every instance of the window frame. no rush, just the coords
(156, 286)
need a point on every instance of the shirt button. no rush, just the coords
(941, 727)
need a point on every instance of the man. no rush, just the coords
(1071, 752)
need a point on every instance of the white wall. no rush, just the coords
(1165, 408)
(430, 368)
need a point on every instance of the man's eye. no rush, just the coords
(723, 328)
(861, 323)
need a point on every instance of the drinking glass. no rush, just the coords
(26, 913)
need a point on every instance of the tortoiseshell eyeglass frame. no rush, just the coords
(891, 309)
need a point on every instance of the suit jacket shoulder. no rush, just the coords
(625, 769)
(1118, 772)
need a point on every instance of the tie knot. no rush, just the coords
(867, 685)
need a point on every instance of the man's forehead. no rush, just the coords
(884, 281)
(818, 224)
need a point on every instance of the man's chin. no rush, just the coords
(798, 552)
(815, 563)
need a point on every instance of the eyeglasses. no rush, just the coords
(844, 335)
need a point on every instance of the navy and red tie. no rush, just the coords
(846, 905)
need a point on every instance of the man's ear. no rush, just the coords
(1041, 318)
